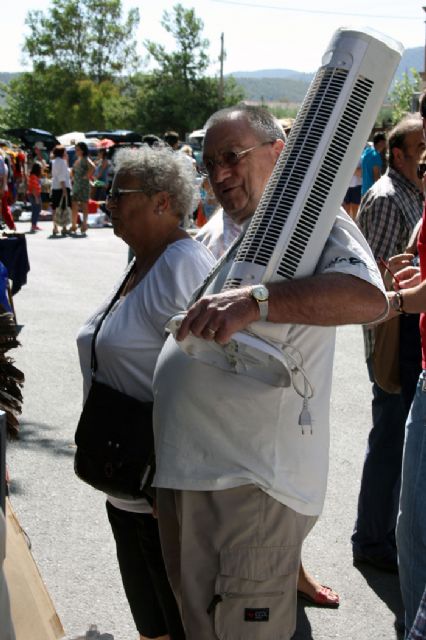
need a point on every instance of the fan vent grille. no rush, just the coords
(274, 208)
(325, 179)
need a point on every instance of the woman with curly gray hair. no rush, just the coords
(152, 192)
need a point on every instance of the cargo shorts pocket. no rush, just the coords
(255, 593)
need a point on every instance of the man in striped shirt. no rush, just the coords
(388, 214)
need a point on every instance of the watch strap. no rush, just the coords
(263, 308)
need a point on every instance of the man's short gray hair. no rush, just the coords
(262, 122)
(396, 137)
(159, 168)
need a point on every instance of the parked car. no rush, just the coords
(30, 136)
(117, 136)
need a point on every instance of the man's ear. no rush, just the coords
(398, 156)
(278, 146)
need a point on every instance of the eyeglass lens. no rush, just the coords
(421, 170)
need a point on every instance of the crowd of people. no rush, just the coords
(388, 205)
(39, 177)
(220, 546)
(73, 182)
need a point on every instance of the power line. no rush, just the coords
(316, 11)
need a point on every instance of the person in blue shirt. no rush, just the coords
(371, 162)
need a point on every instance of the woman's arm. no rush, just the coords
(90, 169)
(408, 298)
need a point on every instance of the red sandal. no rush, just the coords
(325, 598)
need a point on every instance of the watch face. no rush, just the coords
(260, 292)
(394, 303)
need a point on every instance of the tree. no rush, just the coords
(84, 38)
(178, 94)
(78, 49)
(84, 63)
(32, 99)
(49, 99)
(401, 94)
(189, 60)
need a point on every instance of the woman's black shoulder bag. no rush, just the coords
(114, 437)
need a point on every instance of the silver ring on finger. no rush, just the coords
(211, 332)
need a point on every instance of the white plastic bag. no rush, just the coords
(63, 213)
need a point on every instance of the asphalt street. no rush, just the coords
(66, 520)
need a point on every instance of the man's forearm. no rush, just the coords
(326, 300)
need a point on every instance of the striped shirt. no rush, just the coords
(387, 216)
(388, 213)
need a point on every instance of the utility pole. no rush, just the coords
(221, 59)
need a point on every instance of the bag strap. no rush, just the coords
(228, 255)
(115, 297)
(64, 200)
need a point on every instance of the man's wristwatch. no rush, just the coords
(261, 294)
(397, 302)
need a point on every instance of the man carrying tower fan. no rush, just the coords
(241, 480)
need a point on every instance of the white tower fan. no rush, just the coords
(293, 220)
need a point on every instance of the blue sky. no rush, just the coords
(259, 34)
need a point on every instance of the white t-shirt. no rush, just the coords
(60, 173)
(216, 430)
(218, 233)
(356, 180)
(132, 334)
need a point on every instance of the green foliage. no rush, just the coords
(78, 48)
(119, 109)
(82, 52)
(189, 59)
(171, 105)
(402, 92)
(31, 99)
(50, 99)
(284, 111)
(384, 120)
(274, 89)
(178, 95)
(3, 120)
(83, 37)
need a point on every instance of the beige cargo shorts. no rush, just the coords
(232, 558)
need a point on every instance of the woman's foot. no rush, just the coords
(55, 231)
(315, 593)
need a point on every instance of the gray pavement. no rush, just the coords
(65, 519)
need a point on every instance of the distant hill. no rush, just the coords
(287, 85)
(275, 73)
(412, 58)
(7, 77)
(274, 89)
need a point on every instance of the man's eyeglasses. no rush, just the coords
(230, 158)
(115, 194)
(421, 170)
